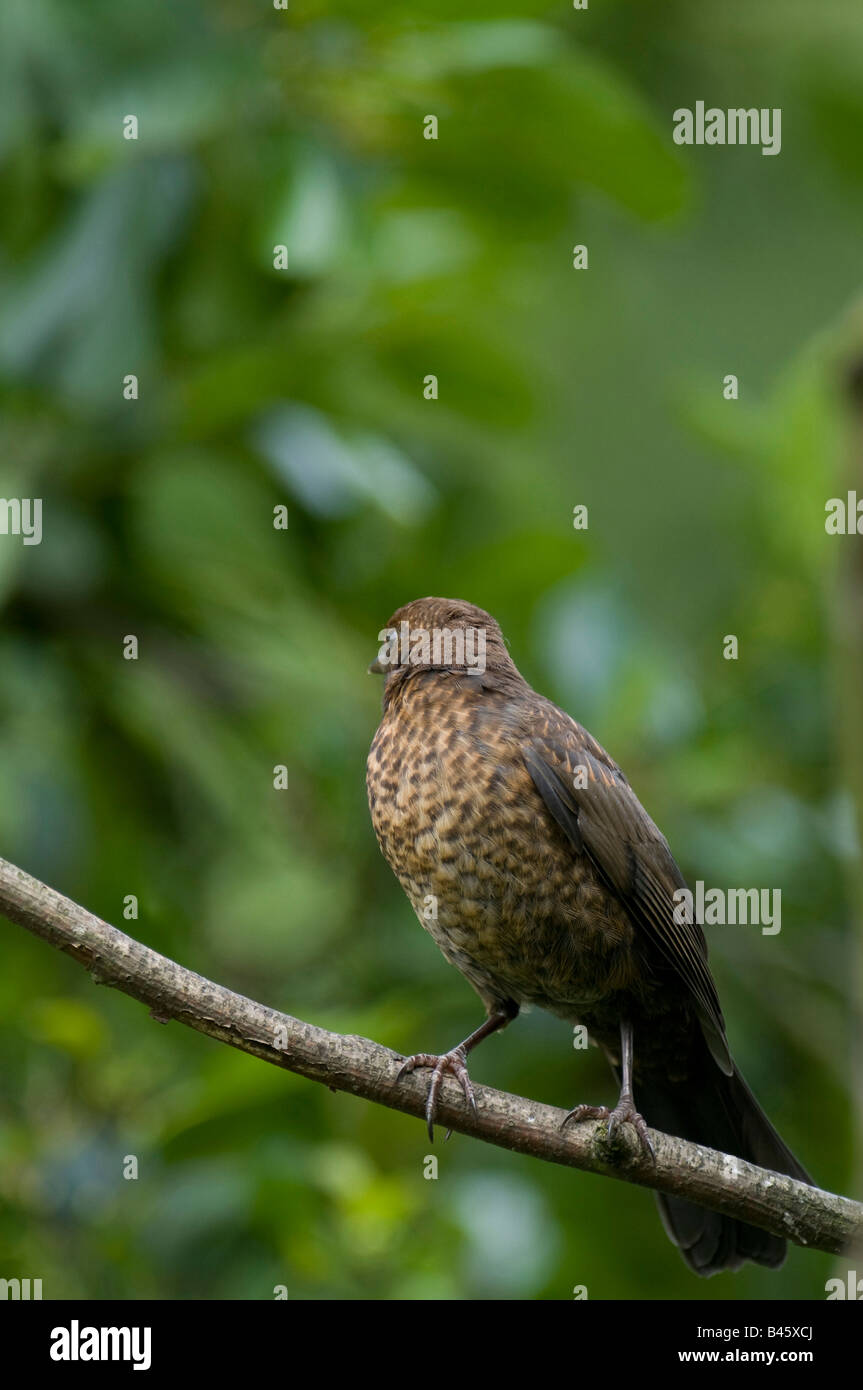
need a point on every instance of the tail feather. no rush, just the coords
(719, 1112)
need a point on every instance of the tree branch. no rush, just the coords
(805, 1215)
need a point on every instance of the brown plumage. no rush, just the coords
(530, 861)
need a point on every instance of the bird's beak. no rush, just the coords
(376, 668)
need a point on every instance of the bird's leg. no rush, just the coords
(455, 1062)
(625, 1107)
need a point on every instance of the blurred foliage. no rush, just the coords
(304, 387)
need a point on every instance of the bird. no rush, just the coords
(530, 861)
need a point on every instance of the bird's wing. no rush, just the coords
(605, 820)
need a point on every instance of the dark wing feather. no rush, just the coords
(606, 820)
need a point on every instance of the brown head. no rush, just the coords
(444, 634)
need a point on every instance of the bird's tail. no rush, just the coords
(720, 1112)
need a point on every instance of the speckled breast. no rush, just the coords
(489, 874)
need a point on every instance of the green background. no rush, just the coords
(303, 387)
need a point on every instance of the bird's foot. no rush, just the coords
(623, 1111)
(454, 1062)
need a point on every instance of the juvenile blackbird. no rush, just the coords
(530, 861)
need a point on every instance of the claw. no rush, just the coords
(586, 1112)
(453, 1062)
(622, 1112)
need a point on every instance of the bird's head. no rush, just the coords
(441, 634)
